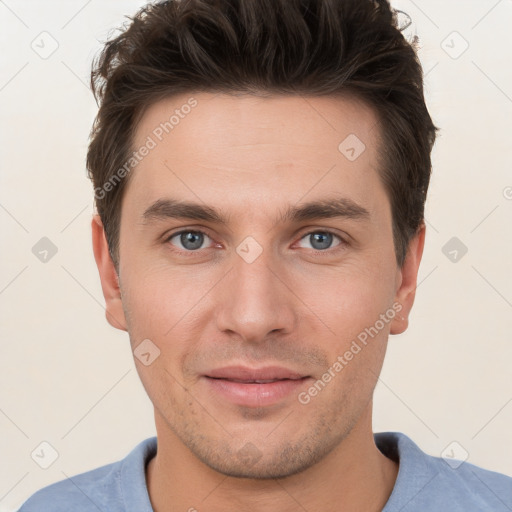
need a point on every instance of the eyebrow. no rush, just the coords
(321, 209)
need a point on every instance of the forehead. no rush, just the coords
(223, 149)
(207, 119)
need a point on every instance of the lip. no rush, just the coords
(254, 387)
(244, 373)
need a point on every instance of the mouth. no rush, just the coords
(254, 381)
(254, 387)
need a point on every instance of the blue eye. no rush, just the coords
(189, 240)
(192, 241)
(321, 240)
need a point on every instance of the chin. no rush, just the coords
(251, 463)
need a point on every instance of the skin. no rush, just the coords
(293, 306)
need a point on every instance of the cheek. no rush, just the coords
(355, 354)
(158, 298)
(359, 313)
(351, 300)
(168, 309)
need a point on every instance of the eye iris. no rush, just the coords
(191, 240)
(324, 240)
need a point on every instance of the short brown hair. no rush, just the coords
(311, 47)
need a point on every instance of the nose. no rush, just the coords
(255, 300)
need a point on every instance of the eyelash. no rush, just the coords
(330, 250)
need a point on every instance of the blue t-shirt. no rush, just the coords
(424, 484)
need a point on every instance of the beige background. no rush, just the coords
(68, 378)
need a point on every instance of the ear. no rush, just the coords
(109, 280)
(407, 281)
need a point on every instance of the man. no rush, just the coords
(260, 171)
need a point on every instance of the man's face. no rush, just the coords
(249, 311)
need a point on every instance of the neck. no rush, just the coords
(354, 476)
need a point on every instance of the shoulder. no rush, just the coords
(426, 482)
(103, 488)
(83, 492)
(482, 489)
